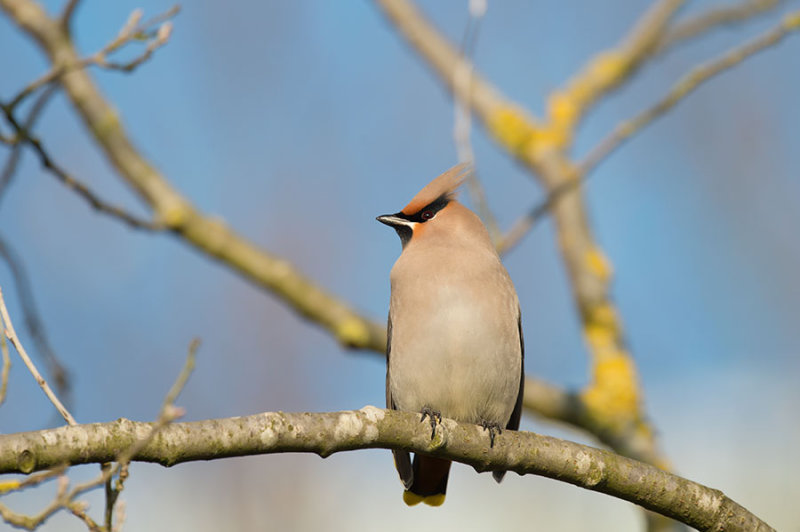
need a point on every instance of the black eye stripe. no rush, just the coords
(428, 212)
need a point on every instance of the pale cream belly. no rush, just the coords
(467, 375)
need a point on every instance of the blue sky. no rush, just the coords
(298, 123)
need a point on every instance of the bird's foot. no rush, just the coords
(493, 428)
(434, 416)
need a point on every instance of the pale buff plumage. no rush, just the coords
(455, 343)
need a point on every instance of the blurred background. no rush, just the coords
(298, 123)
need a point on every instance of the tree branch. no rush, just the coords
(713, 18)
(685, 86)
(33, 321)
(133, 30)
(7, 328)
(24, 136)
(172, 210)
(10, 167)
(607, 70)
(327, 433)
(613, 398)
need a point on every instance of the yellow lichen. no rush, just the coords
(106, 124)
(600, 338)
(597, 263)
(512, 128)
(9, 485)
(548, 139)
(174, 215)
(352, 332)
(603, 315)
(613, 393)
(792, 21)
(562, 108)
(608, 68)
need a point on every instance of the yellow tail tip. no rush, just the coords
(412, 499)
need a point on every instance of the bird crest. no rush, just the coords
(443, 187)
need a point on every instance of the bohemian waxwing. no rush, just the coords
(455, 339)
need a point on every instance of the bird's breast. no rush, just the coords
(455, 343)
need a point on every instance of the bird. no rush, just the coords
(455, 346)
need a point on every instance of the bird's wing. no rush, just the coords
(402, 459)
(513, 423)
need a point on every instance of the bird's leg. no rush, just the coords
(435, 417)
(493, 428)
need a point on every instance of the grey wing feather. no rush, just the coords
(402, 459)
(513, 422)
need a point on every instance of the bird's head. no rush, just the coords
(433, 210)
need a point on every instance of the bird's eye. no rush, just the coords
(426, 215)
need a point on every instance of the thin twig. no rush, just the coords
(32, 320)
(685, 86)
(10, 333)
(607, 70)
(66, 498)
(132, 30)
(167, 414)
(83, 190)
(32, 480)
(6, 365)
(33, 522)
(525, 223)
(10, 168)
(713, 18)
(462, 112)
(66, 14)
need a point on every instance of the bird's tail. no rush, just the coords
(430, 481)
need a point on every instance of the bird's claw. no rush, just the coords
(434, 416)
(493, 428)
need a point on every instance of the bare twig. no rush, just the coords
(10, 168)
(167, 414)
(33, 480)
(8, 330)
(713, 18)
(604, 72)
(525, 223)
(32, 320)
(132, 30)
(67, 13)
(462, 122)
(66, 498)
(685, 86)
(83, 190)
(6, 368)
(33, 522)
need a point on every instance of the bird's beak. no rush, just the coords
(392, 220)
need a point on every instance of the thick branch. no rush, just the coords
(326, 433)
